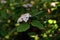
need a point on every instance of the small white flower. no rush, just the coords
(3, 1)
(30, 5)
(27, 5)
(53, 4)
(24, 17)
(27, 15)
(24, 5)
(19, 20)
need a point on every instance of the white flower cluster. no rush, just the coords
(53, 4)
(24, 17)
(27, 5)
(3, 1)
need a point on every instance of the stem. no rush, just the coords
(38, 13)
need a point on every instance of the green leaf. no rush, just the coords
(34, 11)
(23, 27)
(37, 24)
(3, 14)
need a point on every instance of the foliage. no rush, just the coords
(45, 18)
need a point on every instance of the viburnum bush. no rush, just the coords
(38, 19)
